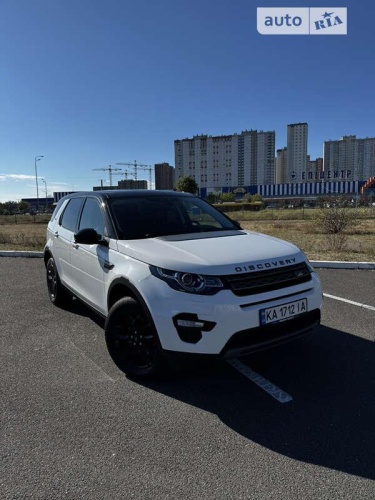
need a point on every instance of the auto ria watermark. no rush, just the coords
(302, 20)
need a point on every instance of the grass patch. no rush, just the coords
(22, 236)
(355, 244)
(301, 227)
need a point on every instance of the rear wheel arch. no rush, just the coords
(47, 256)
(58, 294)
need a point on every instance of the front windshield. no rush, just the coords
(150, 216)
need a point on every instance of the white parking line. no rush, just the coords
(364, 306)
(263, 383)
(91, 362)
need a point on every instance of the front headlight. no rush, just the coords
(188, 282)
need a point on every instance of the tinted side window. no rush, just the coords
(69, 218)
(92, 217)
(57, 208)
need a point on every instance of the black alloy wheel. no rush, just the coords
(132, 340)
(57, 293)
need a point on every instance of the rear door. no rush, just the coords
(63, 238)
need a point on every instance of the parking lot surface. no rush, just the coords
(73, 426)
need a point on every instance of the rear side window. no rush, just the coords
(69, 218)
(57, 208)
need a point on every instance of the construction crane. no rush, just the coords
(135, 165)
(110, 169)
(125, 173)
(149, 168)
(140, 166)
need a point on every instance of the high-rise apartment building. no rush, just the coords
(314, 169)
(297, 152)
(164, 176)
(350, 158)
(281, 163)
(227, 161)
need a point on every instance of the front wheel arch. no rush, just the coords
(121, 287)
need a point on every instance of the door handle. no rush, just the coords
(75, 245)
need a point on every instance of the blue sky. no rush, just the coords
(90, 83)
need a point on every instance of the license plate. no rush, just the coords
(282, 312)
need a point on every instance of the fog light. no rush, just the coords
(189, 327)
(189, 324)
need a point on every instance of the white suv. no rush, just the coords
(171, 274)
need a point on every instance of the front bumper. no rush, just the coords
(263, 337)
(230, 325)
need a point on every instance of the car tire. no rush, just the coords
(57, 292)
(132, 340)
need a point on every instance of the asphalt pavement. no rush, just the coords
(74, 427)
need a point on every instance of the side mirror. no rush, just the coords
(87, 236)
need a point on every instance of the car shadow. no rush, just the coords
(75, 306)
(331, 420)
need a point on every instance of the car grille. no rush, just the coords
(266, 281)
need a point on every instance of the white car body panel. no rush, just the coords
(213, 253)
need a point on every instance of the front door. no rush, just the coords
(90, 262)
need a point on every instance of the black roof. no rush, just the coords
(128, 193)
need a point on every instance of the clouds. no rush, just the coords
(16, 177)
(18, 186)
(24, 177)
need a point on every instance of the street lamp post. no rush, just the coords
(45, 190)
(37, 158)
(45, 186)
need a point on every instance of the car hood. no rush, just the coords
(219, 252)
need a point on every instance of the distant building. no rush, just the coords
(296, 152)
(246, 163)
(314, 169)
(60, 194)
(124, 184)
(40, 204)
(104, 188)
(227, 162)
(164, 176)
(132, 184)
(349, 158)
(310, 190)
(281, 162)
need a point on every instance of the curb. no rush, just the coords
(339, 264)
(318, 264)
(20, 253)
